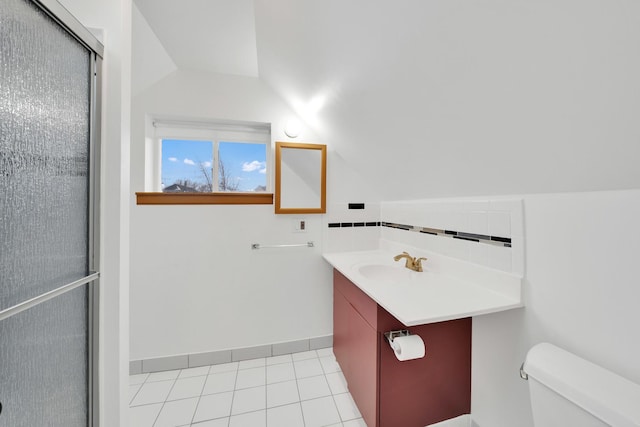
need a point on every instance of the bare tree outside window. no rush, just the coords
(226, 182)
(188, 166)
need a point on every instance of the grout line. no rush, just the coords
(236, 371)
(201, 394)
(233, 395)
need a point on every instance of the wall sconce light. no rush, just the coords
(292, 128)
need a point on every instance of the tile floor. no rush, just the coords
(295, 390)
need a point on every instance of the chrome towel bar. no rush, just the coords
(299, 245)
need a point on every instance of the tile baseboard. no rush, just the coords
(169, 363)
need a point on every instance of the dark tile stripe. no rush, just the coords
(470, 237)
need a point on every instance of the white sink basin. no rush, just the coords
(387, 273)
(447, 289)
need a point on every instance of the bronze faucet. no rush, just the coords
(411, 263)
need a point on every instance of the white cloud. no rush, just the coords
(173, 159)
(263, 171)
(253, 166)
(189, 162)
(206, 164)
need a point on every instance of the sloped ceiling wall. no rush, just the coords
(205, 35)
(150, 62)
(457, 97)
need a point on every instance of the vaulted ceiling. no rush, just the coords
(205, 35)
(439, 97)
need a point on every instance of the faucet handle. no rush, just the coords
(418, 263)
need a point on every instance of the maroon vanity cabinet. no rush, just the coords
(390, 393)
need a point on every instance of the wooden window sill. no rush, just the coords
(144, 198)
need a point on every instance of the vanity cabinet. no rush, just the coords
(390, 393)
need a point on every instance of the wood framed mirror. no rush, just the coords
(301, 178)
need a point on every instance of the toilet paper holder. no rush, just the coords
(391, 335)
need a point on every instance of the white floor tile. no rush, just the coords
(152, 393)
(251, 377)
(325, 352)
(137, 379)
(282, 393)
(355, 423)
(320, 412)
(194, 372)
(252, 363)
(308, 368)
(177, 413)
(346, 407)
(337, 383)
(305, 389)
(220, 382)
(144, 416)
(163, 376)
(133, 390)
(281, 372)
(213, 406)
(219, 422)
(187, 387)
(223, 367)
(279, 359)
(304, 355)
(313, 387)
(285, 416)
(329, 364)
(249, 400)
(251, 419)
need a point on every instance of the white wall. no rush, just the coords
(458, 98)
(424, 99)
(580, 289)
(581, 294)
(150, 63)
(114, 19)
(196, 285)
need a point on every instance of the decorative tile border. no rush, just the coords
(169, 363)
(354, 224)
(470, 237)
(479, 238)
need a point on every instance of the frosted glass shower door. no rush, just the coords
(47, 91)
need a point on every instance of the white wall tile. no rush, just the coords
(500, 224)
(517, 255)
(478, 253)
(478, 222)
(500, 258)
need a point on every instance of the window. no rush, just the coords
(208, 157)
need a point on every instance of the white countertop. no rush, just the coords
(447, 289)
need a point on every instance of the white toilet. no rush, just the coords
(568, 391)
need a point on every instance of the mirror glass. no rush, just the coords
(300, 178)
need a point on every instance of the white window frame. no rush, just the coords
(215, 131)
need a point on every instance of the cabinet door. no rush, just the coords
(363, 367)
(341, 330)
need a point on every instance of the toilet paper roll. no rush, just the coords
(408, 348)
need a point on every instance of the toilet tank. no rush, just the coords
(568, 391)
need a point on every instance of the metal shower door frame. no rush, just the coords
(67, 21)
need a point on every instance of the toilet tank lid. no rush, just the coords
(608, 396)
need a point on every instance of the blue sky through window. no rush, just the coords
(184, 160)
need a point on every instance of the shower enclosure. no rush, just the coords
(49, 147)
